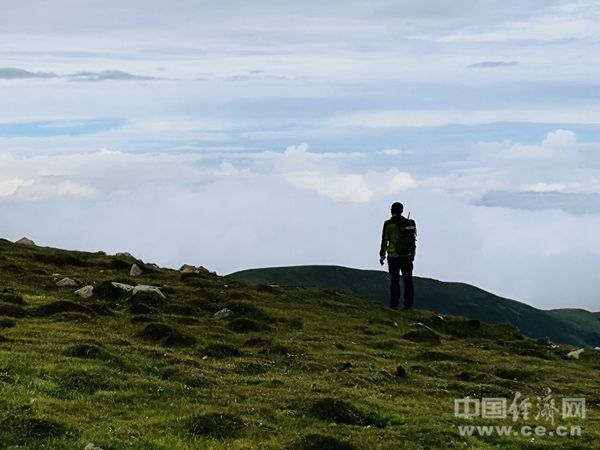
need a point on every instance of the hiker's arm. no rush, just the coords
(383, 248)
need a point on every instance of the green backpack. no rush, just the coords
(402, 237)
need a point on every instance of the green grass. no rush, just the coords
(576, 327)
(292, 369)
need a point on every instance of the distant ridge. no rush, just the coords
(571, 326)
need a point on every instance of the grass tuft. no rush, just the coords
(216, 425)
(340, 411)
(247, 325)
(165, 335)
(61, 306)
(321, 442)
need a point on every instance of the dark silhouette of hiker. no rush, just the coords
(398, 241)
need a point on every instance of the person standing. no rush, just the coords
(398, 242)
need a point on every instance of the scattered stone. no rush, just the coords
(124, 254)
(187, 268)
(135, 270)
(67, 282)
(148, 295)
(25, 241)
(154, 266)
(122, 286)
(91, 446)
(575, 354)
(111, 290)
(400, 372)
(85, 292)
(56, 275)
(143, 288)
(223, 313)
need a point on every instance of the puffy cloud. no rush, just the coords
(10, 186)
(560, 139)
(101, 173)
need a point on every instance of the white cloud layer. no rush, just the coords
(103, 173)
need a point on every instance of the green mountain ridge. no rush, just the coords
(576, 327)
(189, 360)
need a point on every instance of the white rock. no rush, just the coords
(25, 241)
(91, 446)
(67, 282)
(575, 354)
(187, 268)
(146, 288)
(125, 287)
(85, 292)
(223, 313)
(125, 254)
(135, 270)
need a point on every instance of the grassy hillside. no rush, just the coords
(300, 369)
(449, 298)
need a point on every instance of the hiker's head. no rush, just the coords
(397, 208)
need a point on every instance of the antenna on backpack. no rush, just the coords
(408, 217)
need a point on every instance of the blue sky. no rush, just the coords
(235, 134)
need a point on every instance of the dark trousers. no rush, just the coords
(404, 264)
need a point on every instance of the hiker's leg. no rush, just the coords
(394, 269)
(407, 277)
